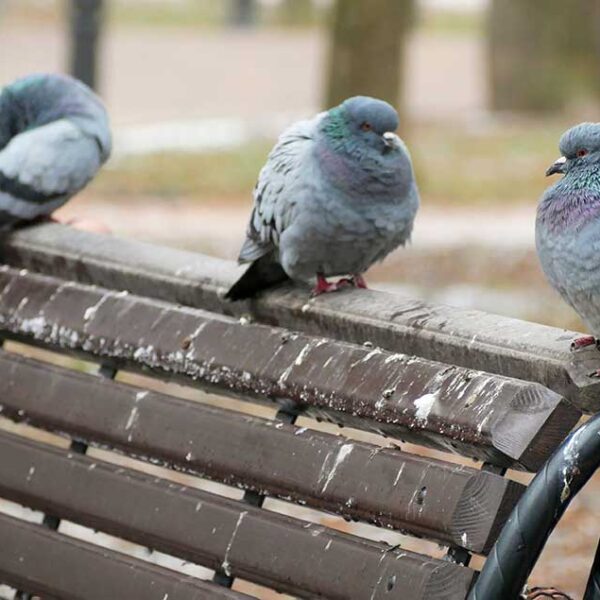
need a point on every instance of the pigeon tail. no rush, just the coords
(262, 274)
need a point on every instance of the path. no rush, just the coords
(151, 75)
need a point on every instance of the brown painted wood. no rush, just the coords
(506, 421)
(452, 504)
(467, 338)
(43, 562)
(290, 555)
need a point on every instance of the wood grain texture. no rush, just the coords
(452, 504)
(497, 419)
(289, 555)
(452, 335)
(46, 563)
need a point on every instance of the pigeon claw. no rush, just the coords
(595, 374)
(583, 342)
(324, 287)
(357, 281)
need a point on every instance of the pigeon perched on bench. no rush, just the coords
(54, 136)
(568, 226)
(336, 195)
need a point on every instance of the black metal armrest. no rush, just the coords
(533, 519)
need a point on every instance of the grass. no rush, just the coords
(225, 174)
(447, 22)
(187, 13)
(183, 13)
(213, 13)
(455, 166)
(499, 163)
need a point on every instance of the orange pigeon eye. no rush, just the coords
(581, 152)
(366, 126)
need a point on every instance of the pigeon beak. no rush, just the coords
(557, 167)
(389, 139)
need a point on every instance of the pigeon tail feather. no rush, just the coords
(262, 274)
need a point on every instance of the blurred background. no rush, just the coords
(198, 91)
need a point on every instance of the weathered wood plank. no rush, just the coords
(290, 555)
(464, 337)
(452, 504)
(46, 563)
(505, 421)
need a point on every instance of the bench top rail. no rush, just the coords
(245, 541)
(457, 505)
(53, 565)
(462, 337)
(509, 422)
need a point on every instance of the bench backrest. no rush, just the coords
(381, 364)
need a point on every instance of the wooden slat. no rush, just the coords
(40, 561)
(505, 421)
(464, 337)
(457, 505)
(300, 558)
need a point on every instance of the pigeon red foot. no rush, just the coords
(583, 342)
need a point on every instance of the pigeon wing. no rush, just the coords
(42, 168)
(275, 194)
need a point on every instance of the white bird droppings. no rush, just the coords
(424, 404)
(342, 454)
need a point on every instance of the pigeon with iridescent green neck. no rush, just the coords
(568, 226)
(336, 195)
(54, 136)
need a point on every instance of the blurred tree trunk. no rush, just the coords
(366, 53)
(86, 17)
(243, 13)
(541, 52)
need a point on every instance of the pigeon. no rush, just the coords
(337, 194)
(568, 226)
(54, 136)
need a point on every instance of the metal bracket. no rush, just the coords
(458, 556)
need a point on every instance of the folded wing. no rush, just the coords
(278, 190)
(42, 168)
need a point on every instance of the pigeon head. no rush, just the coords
(364, 121)
(580, 149)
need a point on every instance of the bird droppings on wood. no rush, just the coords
(295, 369)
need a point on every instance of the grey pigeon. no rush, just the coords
(568, 226)
(337, 194)
(54, 136)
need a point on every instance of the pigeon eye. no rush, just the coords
(366, 126)
(581, 152)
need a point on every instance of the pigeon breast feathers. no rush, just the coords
(281, 184)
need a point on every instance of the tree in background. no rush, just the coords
(542, 54)
(86, 24)
(243, 13)
(366, 52)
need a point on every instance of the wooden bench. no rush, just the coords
(493, 389)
